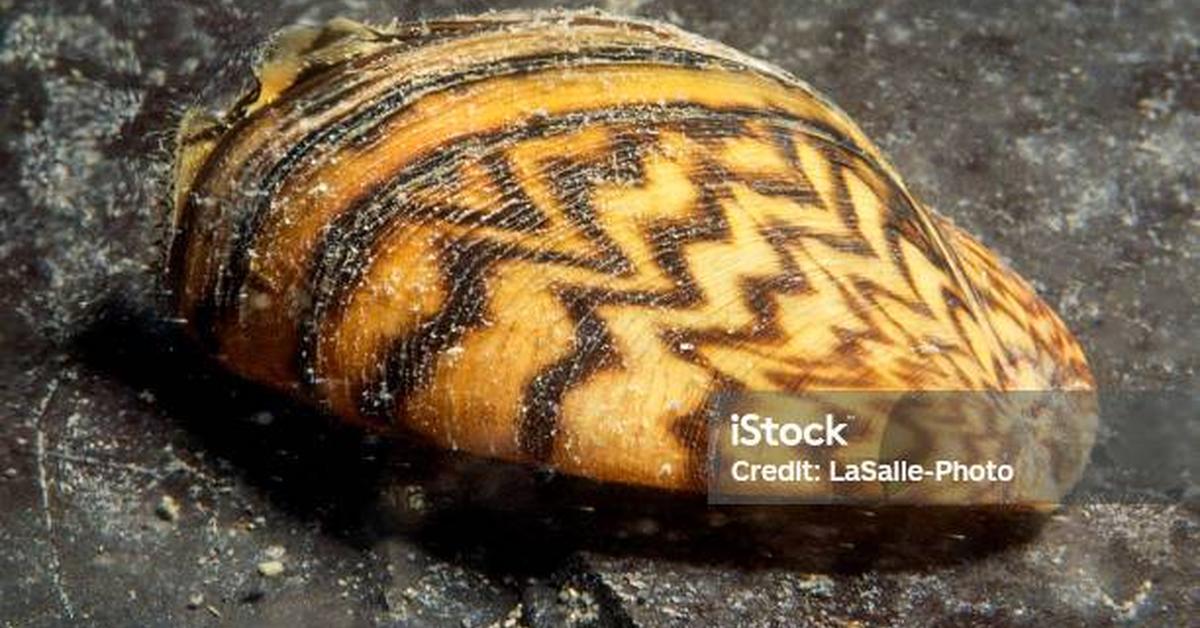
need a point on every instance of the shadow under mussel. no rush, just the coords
(503, 517)
(518, 517)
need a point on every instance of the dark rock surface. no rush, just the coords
(1062, 134)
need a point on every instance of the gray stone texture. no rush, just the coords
(1062, 134)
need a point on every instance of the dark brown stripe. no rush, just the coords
(300, 105)
(411, 359)
(358, 129)
(352, 240)
(593, 349)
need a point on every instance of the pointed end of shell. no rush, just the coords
(299, 50)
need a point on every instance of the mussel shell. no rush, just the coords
(559, 238)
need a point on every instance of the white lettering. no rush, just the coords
(750, 430)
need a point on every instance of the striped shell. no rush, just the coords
(553, 238)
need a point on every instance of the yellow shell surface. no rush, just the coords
(554, 238)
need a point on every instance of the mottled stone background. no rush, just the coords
(1063, 134)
